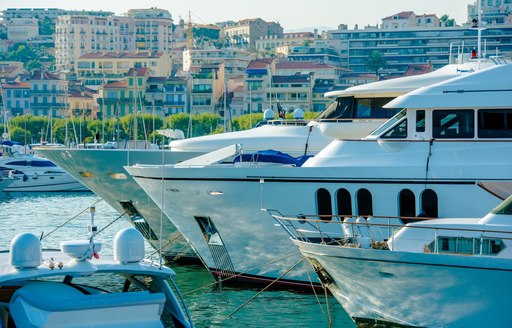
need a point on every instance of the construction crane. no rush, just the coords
(189, 33)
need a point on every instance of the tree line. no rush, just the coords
(29, 129)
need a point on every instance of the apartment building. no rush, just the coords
(123, 97)
(16, 98)
(52, 13)
(235, 60)
(291, 91)
(9, 70)
(78, 35)
(153, 29)
(292, 84)
(176, 95)
(244, 33)
(22, 29)
(272, 42)
(147, 30)
(82, 102)
(256, 83)
(407, 19)
(416, 45)
(493, 12)
(208, 87)
(104, 66)
(48, 94)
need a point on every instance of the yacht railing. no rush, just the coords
(377, 232)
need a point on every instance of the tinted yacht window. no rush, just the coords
(364, 203)
(344, 202)
(407, 203)
(429, 204)
(398, 131)
(453, 124)
(341, 108)
(324, 204)
(495, 123)
(420, 121)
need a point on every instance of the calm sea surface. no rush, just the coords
(209, 306)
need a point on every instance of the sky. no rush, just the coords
(291, 14)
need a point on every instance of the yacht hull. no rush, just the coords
(219, 208)
(421, 290)
(101, 170)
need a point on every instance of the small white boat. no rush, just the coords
(37, 174)
(430, 273)
(75, 287)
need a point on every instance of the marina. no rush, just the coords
(160, 173)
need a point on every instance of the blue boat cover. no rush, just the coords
(272, 156)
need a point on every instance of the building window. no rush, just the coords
(324, 204)
(364, 203)
(407, 204)
(429, 204)
(344, 202)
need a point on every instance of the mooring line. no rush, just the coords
(264, 289)
(239, 274)
(74, 217)
(164, 246)
(328, 316)
(108, 225)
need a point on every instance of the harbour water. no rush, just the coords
(209, 304)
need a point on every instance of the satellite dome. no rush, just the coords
(298, 114)
(268, 114)
(129, 246)
(25, 251)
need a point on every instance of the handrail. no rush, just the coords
(318, 229)
(285, 218)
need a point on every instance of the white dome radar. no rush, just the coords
(129, 246)
(298, 114)
(79, 249)
(268, 114)
(25, 251)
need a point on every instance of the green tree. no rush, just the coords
(46, 26)
(376, 61)
(446, 21)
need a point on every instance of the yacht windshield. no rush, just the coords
(340, 108)
(389, 123)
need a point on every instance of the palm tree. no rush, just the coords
(376, 61)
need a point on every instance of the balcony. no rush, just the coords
(47, 92)
(174, 103)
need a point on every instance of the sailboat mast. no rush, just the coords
(479, 29)
(135, 110)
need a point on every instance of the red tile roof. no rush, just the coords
(16, 85)
(260, 63)
(401, 15)
(302, 65)
(43, 75)
(138, 71)
(116, 85)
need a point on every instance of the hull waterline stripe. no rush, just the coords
(308, 180)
